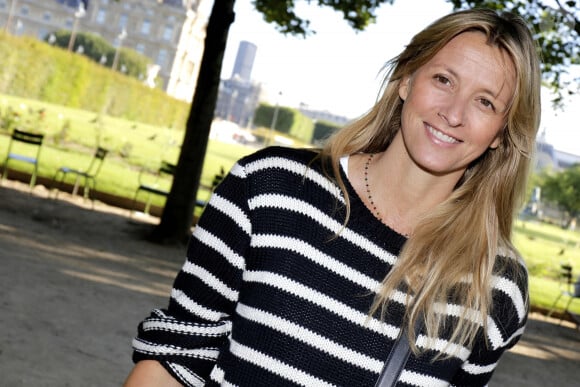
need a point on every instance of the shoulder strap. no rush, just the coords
(397, 358)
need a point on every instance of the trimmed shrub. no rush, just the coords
(36, 70)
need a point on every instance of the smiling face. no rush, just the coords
(455, 105)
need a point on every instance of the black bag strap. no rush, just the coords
(397, 358)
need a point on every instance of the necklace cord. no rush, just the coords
(375, 209)
(368, 189)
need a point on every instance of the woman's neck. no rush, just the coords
(395, 188)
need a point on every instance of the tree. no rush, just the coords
(558, 51)
(563, 189)
(177, 215)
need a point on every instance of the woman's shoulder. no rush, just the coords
(510, 266)
(281, 154)
(277, 159)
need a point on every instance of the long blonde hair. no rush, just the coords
(452, 252)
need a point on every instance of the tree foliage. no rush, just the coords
(357, 13)
(563, 188)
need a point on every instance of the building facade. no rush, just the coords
(548, 157)
(169, 32)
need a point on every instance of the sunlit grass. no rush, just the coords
(73, 135)
(545, 247)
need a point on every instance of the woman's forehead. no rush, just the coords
(470, 58)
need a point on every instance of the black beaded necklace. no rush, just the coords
(369, 196)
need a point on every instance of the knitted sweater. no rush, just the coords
(270, 296)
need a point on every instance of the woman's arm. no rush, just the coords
(149, 373)
(505, 325)
(185, 338)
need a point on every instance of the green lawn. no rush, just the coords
(73, 135)
(545, 247)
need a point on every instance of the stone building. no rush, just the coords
(170, 32)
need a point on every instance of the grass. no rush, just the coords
(73, 135)
(545, 247)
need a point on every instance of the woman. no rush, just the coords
(306, 266)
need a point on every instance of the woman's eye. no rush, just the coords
(487, 103)
(442, 79)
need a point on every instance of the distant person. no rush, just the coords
(307, 265)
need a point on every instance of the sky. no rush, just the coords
(339, 70)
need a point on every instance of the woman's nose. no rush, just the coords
(453, 113)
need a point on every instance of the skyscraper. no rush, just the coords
(244, 61)
(238, 96)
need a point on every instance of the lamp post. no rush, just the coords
(120, 39)
(274, 119)
(233, 98)
(10, 16)
(80, 13)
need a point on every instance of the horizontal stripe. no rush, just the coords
(210, 280)
(219, 246)
(443, 346)
(475, 369)
(196, 309)
(216, 329)
(296, 168)
(341, 310)
(511, 289)
(306, 336)
(165, 350)
(217, 375)
(306, 250)
(421, 380)
(459, 311)
(233, 211)
(299, 206)
(494, 334)
(275, 366)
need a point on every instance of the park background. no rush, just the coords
(73, 132)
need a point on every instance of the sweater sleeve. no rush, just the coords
(186, 337)
(505, 327)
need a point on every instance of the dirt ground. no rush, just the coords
(75, 282)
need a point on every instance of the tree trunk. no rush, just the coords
(177, 216)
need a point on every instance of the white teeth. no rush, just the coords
(442, 136)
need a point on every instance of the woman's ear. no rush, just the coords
(404, 87)
(497, 140)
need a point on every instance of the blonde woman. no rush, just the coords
(307, 265)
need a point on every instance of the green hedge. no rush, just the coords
(36, 70)
(288, 121)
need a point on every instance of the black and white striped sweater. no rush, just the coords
(267, 296)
